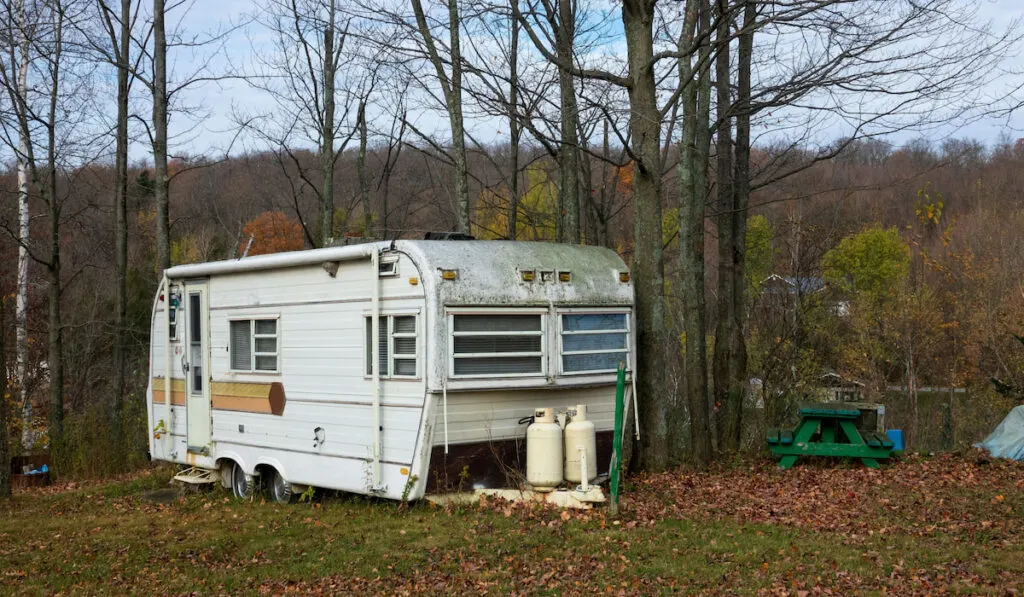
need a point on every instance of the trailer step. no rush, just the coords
(195, 475)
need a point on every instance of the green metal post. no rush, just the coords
(620, 393)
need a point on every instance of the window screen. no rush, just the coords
(254, 345)
(594, 342)
(397, 346)
(241, 345)
(498, 344)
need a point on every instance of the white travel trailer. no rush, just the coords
(377, 368)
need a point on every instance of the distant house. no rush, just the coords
(836, 388)
(792, 285)
(796, 288)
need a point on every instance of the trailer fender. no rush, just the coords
(275, 464)
(236, 458)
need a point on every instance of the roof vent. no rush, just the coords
(448, 236)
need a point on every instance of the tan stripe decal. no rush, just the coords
(243, 403)
(177, 384)
(177, 391)
(240, 389)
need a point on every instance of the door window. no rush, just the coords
(195, 342)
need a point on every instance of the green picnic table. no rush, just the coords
(839, 437)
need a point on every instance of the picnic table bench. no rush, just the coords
(839, 437)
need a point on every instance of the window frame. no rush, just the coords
(387, 265)
(173, 312)
(390, 316)
(542, 313)
(252, 319)
(628, 350)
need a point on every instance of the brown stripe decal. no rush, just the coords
(252, 397)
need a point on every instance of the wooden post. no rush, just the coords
(620, 392)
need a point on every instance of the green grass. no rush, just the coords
(674, 537)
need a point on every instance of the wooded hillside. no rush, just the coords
(732, 151)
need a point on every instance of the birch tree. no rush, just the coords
(59, 117)
(20, 29)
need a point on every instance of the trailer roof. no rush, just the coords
(488, 272)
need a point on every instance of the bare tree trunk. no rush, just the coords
(515, 131)
(5, 445)
(602, 208)
(452, 90)
(327, 135)
(389, 165)
(586, 186)
(364, 184)
(701, 190)
(161, 184)
(692, 198)
(568, 152)
(648, 267)
(121, 220)
(727, 418)
(56, 356)
(24, 237)
(911, 386)
(455, 114)
(738, 235)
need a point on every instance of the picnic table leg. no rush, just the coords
(803, 434)
(828, 432)
(853, 437)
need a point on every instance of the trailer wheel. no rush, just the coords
(280, 489)
(242, 484)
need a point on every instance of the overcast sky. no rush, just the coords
(217, 130)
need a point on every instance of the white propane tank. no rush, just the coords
(544, 451)
(580, 432)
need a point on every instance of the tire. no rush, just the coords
(280, 489)
(242, 484)
(227, 470)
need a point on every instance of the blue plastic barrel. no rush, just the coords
(896, 435)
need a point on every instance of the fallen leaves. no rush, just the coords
(921, 526)
(923, 496)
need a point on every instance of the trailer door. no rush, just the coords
(196, 363)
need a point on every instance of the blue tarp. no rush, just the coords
(1007, 441)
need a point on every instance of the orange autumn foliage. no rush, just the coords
(622, 178)
(271, 232)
